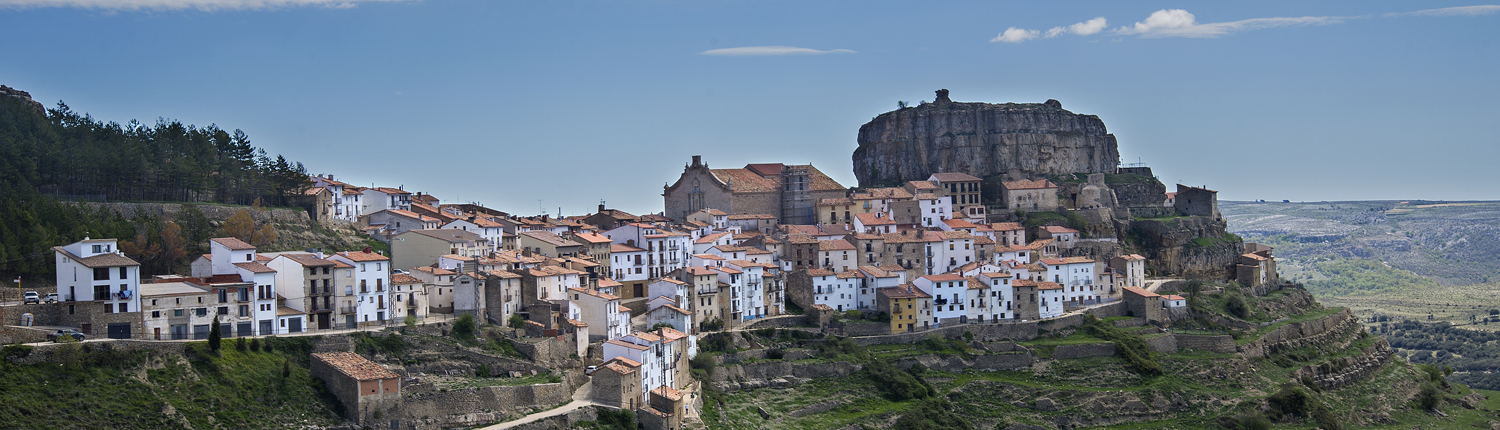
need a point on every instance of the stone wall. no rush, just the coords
(548, 351)
(564, 421)
(1220, 343)
(985, 363)
(982, 332)
(776, 374)
(45, 353)
(776, 321)
(1166, 344)
(1295, 335)
(1344, 371)
(1084, 350)
(864, 329)
(475, 406)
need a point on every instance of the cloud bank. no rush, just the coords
(1181, 23)
(753, 51)
(205, 5)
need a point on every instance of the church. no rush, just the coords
(789, 192)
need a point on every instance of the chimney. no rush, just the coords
(697, 160)
(601, 208)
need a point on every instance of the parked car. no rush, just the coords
(50, 298)
(590, 370)
(61, 334)
(31, 297)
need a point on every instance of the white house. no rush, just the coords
(95, 270)
(1050, 297)
(602, 311)
(934, 209)
(1076, 275)
(874, 279)
(492, 231)
(371, 273)
(839, 290)
(1000, 295)
(669, 313)
(409, 296)
(382, 198)
(949, 297)
(1175, 301)
(754, 283)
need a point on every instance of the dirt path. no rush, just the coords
(580, 401)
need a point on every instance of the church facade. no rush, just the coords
(789, 192)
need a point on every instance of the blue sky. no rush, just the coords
(570, 102)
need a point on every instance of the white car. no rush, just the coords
(31, 297)
(50, 298)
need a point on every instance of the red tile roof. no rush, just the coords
(1028, 184)
(233, 243)
(355, 366)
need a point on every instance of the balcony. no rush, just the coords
(348, 309)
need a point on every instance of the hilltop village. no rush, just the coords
(632, 297)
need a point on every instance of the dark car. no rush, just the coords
(64, 333)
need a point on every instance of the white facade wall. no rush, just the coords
(949, 296)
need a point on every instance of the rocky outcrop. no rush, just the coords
(1291, 336)
(776, 374)
(982, 139)
(24, 97)
(1190, 245)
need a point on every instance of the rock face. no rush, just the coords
(25, 97)
(1012, 140)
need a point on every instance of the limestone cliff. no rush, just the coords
(1186, 246)
(981, 139)
(24, 97)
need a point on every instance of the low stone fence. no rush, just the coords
(46, 353)
(1219, 343)
(982, 332)
(1294, 335)
(864, 329)
(1344, 371)
(776, 321)
(776, 374)
(986, 363)
(1084, 350)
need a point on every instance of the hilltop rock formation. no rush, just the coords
(25, 97)
(1012, 140)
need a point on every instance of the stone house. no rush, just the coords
(549, 244)
(596, 246)
(175, 309)
(409, 296)
(762, 223)
(439, 285)
(1196, 201)
(617, 383)
(1256, 270)
(1131, 269)
(1029, 195)
(1027, 306)
(307, 285)
(1146, 304)
(392, 222)
(502, 293)
(363, 386)
(348, 202)
(1063, 237)
(963, 190)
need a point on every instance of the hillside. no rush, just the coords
(1450, 243)
(1292, 362)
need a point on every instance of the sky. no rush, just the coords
(532, 107)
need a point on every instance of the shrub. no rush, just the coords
(713, 325)
(1235, 304)
(898, 385)
(215, 339)
(775, 354)
(240, 345)
(410, 321)
(483, 371)
(1290, 401)
(1129, 346)
(931, 414)
(704, 362)
(1325, 419)
(1429, 397)
(1253, 421)
(463, 328)
(255, 345)
(661, 325)
(516, 322)
(610, 419)
(267, 345)
(854, 314)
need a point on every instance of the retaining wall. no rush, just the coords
(1084, 350)
(1219, 343)
(475, 406)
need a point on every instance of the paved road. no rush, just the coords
(580, 401)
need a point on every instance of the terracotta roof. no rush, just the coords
(699, 271)
(434, 270)
(621, 308)
(873, 219)
(307, 260)
(893, 193)
(592, 237)
(835, 245)
(954, 177)
(1253, 256)
(748, 263)
(620, 247)
(744, 180)
(1175, 297)
(958, 223)
(549, 238)
(921, 185)
(593, 293)
(1057, 229)
(675, 309)
(983, 240)
(233, 244)
(905, 291)
(341, 265)
(710, 238)
(877, 271)
(667, 392)
(819, 272)
(404, 279)
(841, 201)
(255, 267)
(618, 342)
(101, 260)
(282, 311)
(355, 366)
(752, 216)
(1006, 226)
(1066, 260)
(1141, 292)
(1048, 286)
(849, 274)
(388, 190)
(502, 274)
(362, 256)
(1133, 257)
(822, 307)
(925, 196)
(1027, 184)
(671, 334)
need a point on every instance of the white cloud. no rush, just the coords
(1016, 35)
(1181, 23)
(1082, 29)
(206, 5)
(1453, 11)
(748, 51)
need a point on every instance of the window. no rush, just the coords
(249, 257)
(101, 274)
(223, 296)
(224, 310)
(177, 312)
(156, 314)
(98, 249)
(123, 274)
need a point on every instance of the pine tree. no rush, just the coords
(214, 337)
